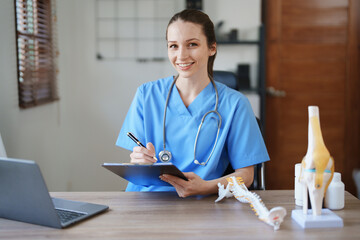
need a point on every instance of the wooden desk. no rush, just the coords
(166, 216)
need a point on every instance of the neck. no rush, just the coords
(189, 88)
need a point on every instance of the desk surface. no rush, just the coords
(166, 216)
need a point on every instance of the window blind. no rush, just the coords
(35, 53)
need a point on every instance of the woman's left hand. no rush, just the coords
(194, 186)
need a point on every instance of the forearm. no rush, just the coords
(197, 186)
(247, 174)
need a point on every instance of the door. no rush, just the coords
(307, 64)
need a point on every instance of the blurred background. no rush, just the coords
(286, 55)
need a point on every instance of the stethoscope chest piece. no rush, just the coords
(165, 156)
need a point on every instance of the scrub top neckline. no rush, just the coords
(204, 102)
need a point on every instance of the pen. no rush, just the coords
(130, 135)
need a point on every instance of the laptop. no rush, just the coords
(24, 197)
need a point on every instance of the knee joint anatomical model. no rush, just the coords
(317, 167)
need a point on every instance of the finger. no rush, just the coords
(177, 188)
(137, 149)
(150, 147)
(141, 152)
(178, 181)
(140, 161)
(181, 186)
(173, 182)
(189, 175)
(180, 190)
(142, 156)
(137, 157)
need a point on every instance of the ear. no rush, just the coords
(212, 49)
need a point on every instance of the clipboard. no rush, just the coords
(144, 174)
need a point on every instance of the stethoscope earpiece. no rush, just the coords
(198, 163)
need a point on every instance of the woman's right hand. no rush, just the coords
(141, 155)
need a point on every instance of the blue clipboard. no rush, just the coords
(144, 174)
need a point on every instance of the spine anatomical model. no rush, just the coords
(317, 167)
(237, 188)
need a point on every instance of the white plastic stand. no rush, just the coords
(327, 219)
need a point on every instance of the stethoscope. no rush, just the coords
(165, 155)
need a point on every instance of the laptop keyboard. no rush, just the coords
(66, 216)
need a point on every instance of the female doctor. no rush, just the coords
(199, 125)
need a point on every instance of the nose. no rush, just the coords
(183, 53)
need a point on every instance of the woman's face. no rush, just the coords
(188, 51)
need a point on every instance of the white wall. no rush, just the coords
(70, 139)
(245, 16)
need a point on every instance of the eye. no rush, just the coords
(193, 44)
(172, 46)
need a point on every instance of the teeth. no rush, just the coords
(184, 64)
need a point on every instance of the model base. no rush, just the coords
(327, 219)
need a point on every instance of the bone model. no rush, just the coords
(237, 188)
(317, 167)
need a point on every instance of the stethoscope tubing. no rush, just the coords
(199, 129)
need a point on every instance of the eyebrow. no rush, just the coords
(189, 40)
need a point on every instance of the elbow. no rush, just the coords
(250, 178)
(247, 174)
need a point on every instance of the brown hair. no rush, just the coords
(198, 17)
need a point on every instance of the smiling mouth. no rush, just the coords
(185, 65)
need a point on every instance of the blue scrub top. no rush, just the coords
(240, 142)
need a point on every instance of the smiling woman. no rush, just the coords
(191, 51)
(204, 29)
(177, 116)
(36, 52)
(189, 56)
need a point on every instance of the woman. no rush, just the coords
(167, 113)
